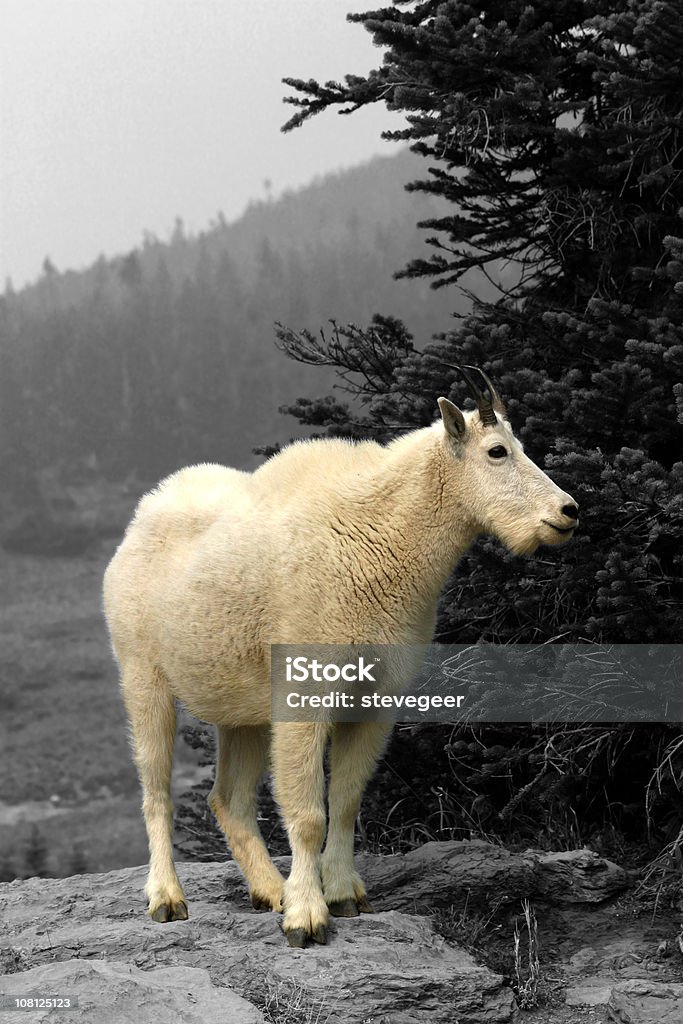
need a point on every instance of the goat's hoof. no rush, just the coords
(170, 912)
(350, 907)
(297, 937)
(344, 908)
(363, 906)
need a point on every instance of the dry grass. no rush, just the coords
(288, 1002)
(468, 926)
(527, 968)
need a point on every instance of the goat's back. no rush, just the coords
(218, 564)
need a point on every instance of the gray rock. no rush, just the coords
(390, 968)
(111, 992)
(595, 992)
(578, 876)
(474, 872)
(646, 1002)
(447, 874)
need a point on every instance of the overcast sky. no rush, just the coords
(116, 116)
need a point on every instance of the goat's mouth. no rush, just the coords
(561, 529)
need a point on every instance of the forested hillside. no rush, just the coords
(166, 355)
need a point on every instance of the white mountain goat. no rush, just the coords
(330, 542)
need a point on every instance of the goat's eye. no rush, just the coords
(499, 451)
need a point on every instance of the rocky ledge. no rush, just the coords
(88, 937)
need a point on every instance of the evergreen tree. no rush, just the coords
(7, 872)
(554, 133)
(554, 130)
(77, 863)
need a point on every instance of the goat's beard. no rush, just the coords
(525, 546)
(520, 542)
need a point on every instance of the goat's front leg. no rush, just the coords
(298, 750)
(353, 755)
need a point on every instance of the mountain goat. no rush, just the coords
(329, 541)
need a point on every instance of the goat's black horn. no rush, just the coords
(484, 404)
(494, 398)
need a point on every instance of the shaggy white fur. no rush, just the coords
(327, 542)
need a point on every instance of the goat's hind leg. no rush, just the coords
(152, 716)
(242, 759)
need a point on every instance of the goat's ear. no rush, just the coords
(453, 419)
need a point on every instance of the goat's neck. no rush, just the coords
(416, 510)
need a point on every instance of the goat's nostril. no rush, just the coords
(570, 511)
